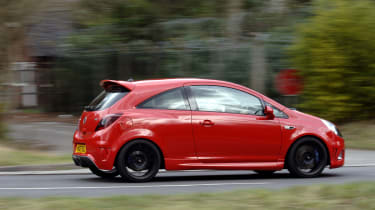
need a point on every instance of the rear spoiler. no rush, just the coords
(128, 85)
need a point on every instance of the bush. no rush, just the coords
(335, 51)
(2, 126)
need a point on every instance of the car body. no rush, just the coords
(199, 124)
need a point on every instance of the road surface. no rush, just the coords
(87, 185)
(55, 136)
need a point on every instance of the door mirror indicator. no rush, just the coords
(268, 111)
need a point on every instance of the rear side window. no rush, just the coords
(107, 98)
(172, 99)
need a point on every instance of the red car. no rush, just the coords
(136, 128)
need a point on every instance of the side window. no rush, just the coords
(277, 112)
(223, 99)
(171, 99)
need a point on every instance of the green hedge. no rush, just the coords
(78, 75)
(2, 126)
(335, 51)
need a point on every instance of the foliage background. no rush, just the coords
(335, 51)
(329, 41)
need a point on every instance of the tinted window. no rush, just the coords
(277, 112)
(107, 98)
(172, 99)
(223, 99)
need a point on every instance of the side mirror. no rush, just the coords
(268, 111)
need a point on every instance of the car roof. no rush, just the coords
(159, 82)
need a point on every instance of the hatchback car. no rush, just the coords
(133, 129)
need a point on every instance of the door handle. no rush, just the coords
(289, 127)
(206, 123)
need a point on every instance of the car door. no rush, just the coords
(168, 116)
(229, 126)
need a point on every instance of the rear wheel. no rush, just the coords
(104, 174)
(307, 158)
(139, 161)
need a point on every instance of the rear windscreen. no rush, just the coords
(107, 98)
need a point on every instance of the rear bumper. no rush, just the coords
(98, 152)
(83, 161)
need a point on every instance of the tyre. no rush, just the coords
(264, 173)
(139, 161)
(104, 174)
(307, 158)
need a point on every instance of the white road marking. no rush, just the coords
(359, 165)
(134, 186)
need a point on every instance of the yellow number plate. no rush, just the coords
(80, 148)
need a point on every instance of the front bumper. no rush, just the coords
(337, 153)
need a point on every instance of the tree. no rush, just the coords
(335, 51)
(13, 18)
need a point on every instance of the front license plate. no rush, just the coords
(80, 148)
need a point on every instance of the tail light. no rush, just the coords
(107, 121)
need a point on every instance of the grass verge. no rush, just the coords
(359, 135)
(349, 196)
(11, 156)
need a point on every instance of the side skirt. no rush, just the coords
(181, 165)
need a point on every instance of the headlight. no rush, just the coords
(331, 127)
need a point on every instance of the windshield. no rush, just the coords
(107, 98)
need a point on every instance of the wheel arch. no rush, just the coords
(307, 136)
(162, 165)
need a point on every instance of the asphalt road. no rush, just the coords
(87, 185)
(55, 136)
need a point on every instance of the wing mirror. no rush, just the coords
(268, 111)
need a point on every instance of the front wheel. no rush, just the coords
(307, 158)
(104, 174)
(139, 161)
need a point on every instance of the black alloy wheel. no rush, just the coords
(139, 161)
(307, 158)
